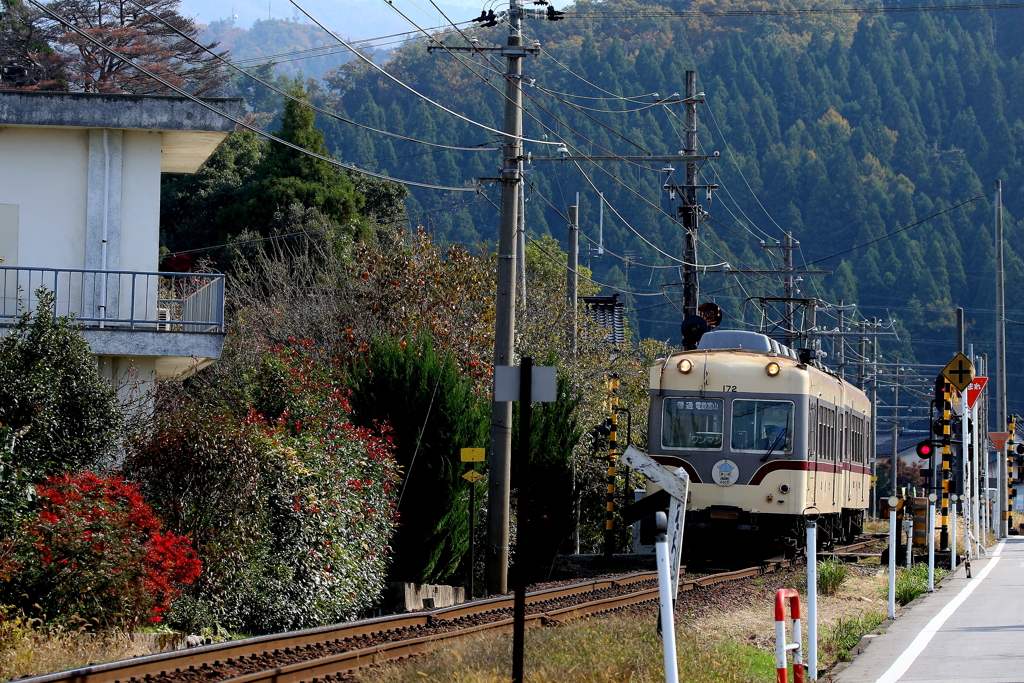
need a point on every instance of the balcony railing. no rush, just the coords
(118, 299)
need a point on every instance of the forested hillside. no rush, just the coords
(839, 128)
(293, 47)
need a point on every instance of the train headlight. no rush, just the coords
(685, 365)
(772, 369)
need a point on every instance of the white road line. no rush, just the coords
(910, 655)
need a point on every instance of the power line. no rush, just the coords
(167, 84)
(266, 59)
(306, 232)
(475, 148)
(781, 12)
(896, 232)
(406, 85)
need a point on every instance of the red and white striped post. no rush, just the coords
(781, 645)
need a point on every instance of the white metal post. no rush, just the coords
(964, 421)
(952, 531)
(893, 502)
(812, 596)
(908, 527)
(931, 541)
(665, 583)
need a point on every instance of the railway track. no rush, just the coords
(316, 655)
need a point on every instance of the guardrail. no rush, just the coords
(118, 299)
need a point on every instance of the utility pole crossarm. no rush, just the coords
(504, 51)
(661, 159)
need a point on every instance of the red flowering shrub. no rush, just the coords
(95, 549)
(290, 506)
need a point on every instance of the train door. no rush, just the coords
(837, 452)
(848, 459)
(812, 450)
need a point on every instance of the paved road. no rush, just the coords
(969, 631)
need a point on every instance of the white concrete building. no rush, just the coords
(80, 215)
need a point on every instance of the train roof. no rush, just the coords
(744, 340)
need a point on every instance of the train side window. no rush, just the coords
(694, 423)
(762, 426)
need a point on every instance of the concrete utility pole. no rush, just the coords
(521, 247)
(1002, 473)
(504, 328)
(895, 429)
(788, 287)
(572, 275)
(689, 210)
(841, 355)
(873, 394)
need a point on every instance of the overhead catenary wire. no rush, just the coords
(590, 239)
(577, 271)
(238, 122)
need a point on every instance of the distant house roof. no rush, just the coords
(190, 132)
(609, 312)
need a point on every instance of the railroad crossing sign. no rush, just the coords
(974, 390)
(999, 439)
(959, 371)
(677, 485)
(472, 476)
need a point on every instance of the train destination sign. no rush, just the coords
(959, 371)
(974, 390)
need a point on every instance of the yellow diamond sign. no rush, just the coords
(959, 371)
(472, 476)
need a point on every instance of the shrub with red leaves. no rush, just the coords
(96, 550)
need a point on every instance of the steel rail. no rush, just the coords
(145, 668)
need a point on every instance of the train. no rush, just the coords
(766, 436)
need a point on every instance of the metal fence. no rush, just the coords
(117, 299)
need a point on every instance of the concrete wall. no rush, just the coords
(406, 597)
(140, 201)
(44, 172)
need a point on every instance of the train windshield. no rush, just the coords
(693, 423)
(764, 426)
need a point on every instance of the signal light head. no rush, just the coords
(925, 449)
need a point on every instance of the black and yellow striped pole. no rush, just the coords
(1011, 427)
(613, 450)
(947, 473)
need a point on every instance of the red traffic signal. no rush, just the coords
(925, 449)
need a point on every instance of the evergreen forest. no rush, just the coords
(844, 129)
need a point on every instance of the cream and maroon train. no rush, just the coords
(763, 436)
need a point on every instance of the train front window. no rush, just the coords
(762, 426)
(693, 423)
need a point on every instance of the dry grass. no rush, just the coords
(755, 625)
(737, 644)
(587, 651)
(27, 648)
